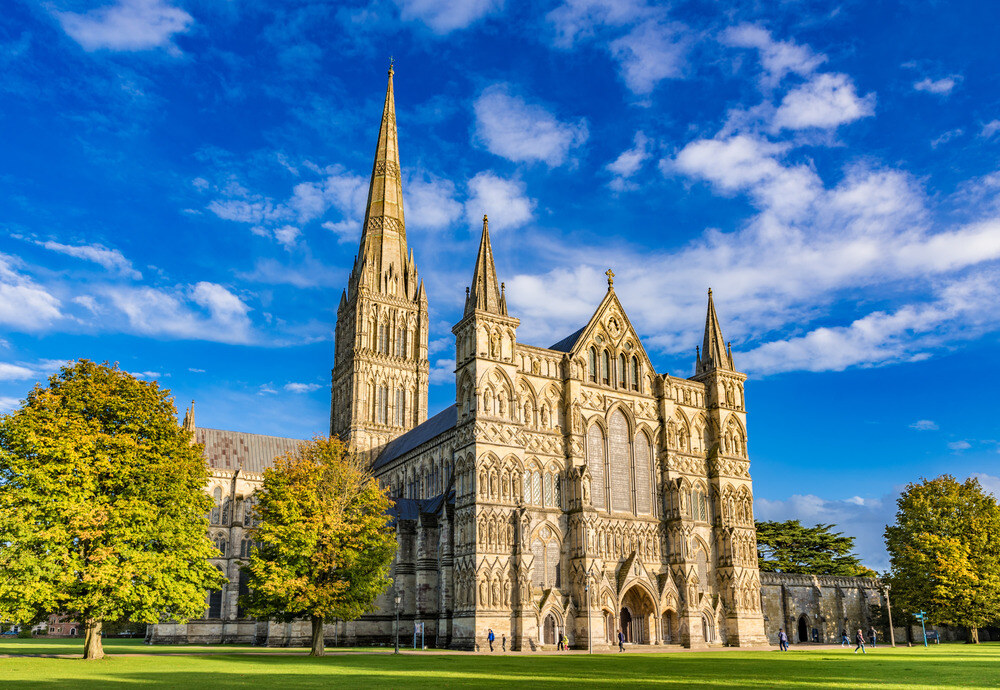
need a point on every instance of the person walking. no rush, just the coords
(503, 642)
(559, 644)
(845, 641)
(782, 641)
(860, 639)
(565, 641)
(872, 635)
(621, 641)
(490, 637)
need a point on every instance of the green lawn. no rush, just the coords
(940, 666)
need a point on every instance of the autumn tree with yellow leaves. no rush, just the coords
(102, 505)
(323, 544)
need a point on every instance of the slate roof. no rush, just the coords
(443, 421)
(411, 508)
(567, 343)
(231, 450)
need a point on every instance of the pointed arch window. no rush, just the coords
(621, 378)
(382, 405)
(635, 373)
(400, 407)
(606, 368)
(401, 342)
(216, 517)
(593, 364)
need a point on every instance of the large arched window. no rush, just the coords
(592, 361)
(595, 463)
(620, 462)
(643, 480)
(606, 368)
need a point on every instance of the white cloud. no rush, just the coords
(924, 425)
(940, 87)
(649, 53)
(443, 371)
(430, 202)
(23, 303)
(445, 16)
(148, 375)
(8, 404)
(647, 47)
(989, 129)
(127, 25)
(15, 372)
(628, 163)
(111, 259)
(196, 371)
(959, 446)
(574, 20)
(519, 131)
(945, 137)
(989, 482)
(302, 387)
(223, 317)
(864, 519)
(825, 102)
(505, 201)
(778, 58)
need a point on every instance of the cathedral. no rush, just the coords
(570, 490)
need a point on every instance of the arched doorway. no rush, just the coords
(706, 629)
(610, 635)
(626, 619)
(549, 627)
(637, 616)
(803, 629)
(667, 627)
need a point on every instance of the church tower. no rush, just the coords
(729, 476)
(380, 370)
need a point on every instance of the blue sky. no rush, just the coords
(182, 185)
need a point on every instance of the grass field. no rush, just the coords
(132, 663)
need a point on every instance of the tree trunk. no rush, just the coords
(317, 637)
(973, 635)
(93, 648)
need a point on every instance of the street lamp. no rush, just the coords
(586, 595)
(398, 599)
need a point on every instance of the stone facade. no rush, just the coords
(813, 608)
(570, 488)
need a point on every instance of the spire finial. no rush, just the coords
(392, 61)
(709, 292)
(611, 278)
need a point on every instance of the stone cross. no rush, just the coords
(611, 277)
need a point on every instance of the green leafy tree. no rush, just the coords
(323, 545)
(791, 547)
(944, 552)
(102, 505)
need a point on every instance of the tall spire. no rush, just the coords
(189, 420)
(484, 294)
(382, 259)
(713, 349)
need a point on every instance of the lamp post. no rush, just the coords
(398, 599)
(888, 606)
(586, 595)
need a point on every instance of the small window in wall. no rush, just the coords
(606, 368)
(635, 374)
(622, 371)
(592, 361)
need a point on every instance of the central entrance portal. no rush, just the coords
(638, 616)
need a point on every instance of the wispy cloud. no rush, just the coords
(127, 25)
(508, 126)
(939, 87)
(777, 58)
(628, 163)
(23, 303)
(824, 102)
(924, 425)
(111, 259)
(444, 16)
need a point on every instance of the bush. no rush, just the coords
(24, 634)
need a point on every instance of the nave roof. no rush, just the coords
(443, 421)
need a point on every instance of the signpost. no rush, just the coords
(921, 617)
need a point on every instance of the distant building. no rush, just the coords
(59, 625)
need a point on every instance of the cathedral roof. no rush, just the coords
(411, 508)
(420, 434)
(567, 343)
(232, 450)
